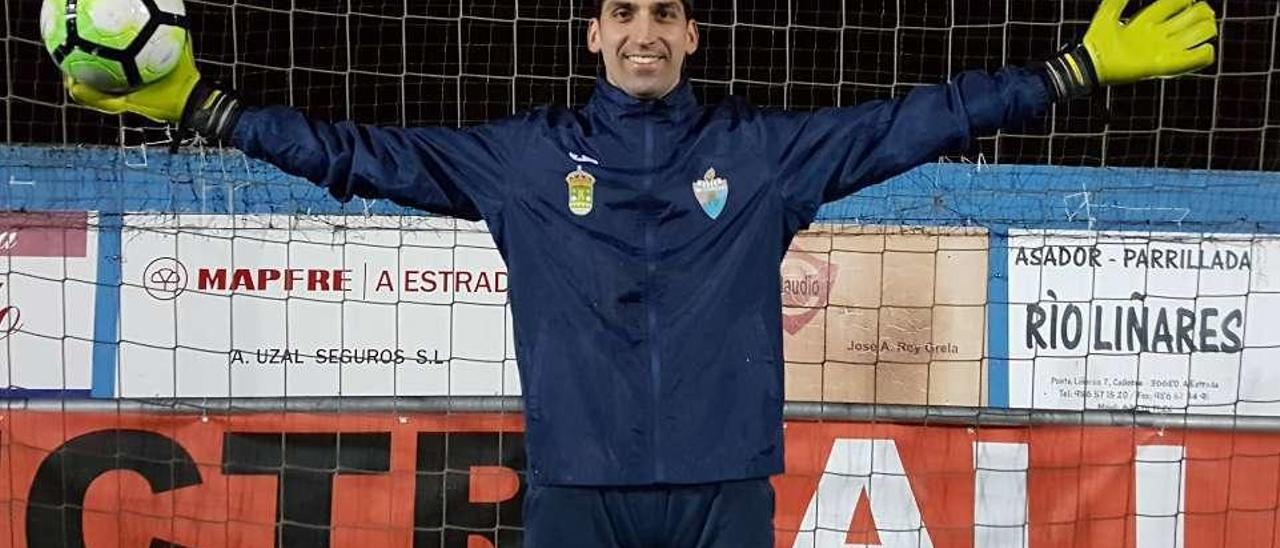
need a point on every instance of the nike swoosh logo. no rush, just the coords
(584, 159)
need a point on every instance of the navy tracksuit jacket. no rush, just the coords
(645, 286)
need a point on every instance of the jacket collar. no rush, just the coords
(612, 101)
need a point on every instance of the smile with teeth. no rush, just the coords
(644, 59)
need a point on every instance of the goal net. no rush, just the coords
(1063, 334)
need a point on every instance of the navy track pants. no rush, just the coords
(736, 514)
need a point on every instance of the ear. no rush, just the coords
(693, 37)
(593, 36)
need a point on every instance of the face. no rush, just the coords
(643, 44)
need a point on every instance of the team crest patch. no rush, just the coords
(581, 191)
(712, 193)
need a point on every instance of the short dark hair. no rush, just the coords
(688, 7)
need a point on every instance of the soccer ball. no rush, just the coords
(114, 46)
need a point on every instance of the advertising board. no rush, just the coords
(1131, 320)
(263, 305)
(883, 314)
(272, 479)
(48, 293)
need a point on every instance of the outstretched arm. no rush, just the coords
(829, 154)
(459, 173)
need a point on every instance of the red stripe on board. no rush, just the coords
(44, 234)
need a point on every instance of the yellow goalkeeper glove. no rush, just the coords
(181, 97)
(1166, 39)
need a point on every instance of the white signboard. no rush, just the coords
(1177, 322)
(259, 305)
(48, 278)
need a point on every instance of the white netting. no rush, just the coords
(203, 277)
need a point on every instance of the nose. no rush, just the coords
(644, 30)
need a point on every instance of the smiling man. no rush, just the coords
(643, 44)
(643, 235)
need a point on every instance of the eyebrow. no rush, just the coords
(669, 4)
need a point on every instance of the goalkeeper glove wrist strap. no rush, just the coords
(212, 111)
(1071, 74)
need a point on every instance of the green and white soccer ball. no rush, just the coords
(114, 45)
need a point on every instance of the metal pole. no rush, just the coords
(807, 411)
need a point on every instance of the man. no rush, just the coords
(643, 235)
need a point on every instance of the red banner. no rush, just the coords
(258, 480)
(46, 234)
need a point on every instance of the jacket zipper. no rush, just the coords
(655, 370)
